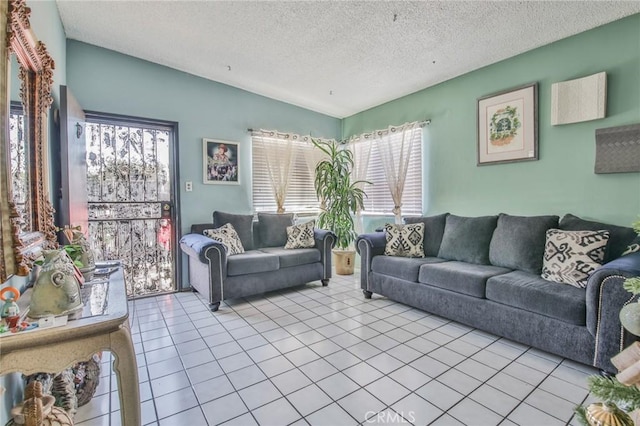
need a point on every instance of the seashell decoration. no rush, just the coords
(607, 414)
(38, 410)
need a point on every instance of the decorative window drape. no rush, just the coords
(395, 146)
(361, 148)
(283, 167)
(276, 149)
(313, 156)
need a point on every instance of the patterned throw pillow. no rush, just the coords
(228, 237)
(405, 240)
(570, 257)
(301, 236)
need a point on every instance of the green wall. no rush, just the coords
(107, 81)
(562, 180)
(47, 27)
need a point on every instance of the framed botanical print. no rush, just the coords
(220, 163)
(508, 126)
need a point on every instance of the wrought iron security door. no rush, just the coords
(131, 214)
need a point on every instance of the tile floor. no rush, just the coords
(327, 356)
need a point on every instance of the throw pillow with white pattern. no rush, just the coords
(228, 237)
(570, 257)
(301, 236)
(405, 240)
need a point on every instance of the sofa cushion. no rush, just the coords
(619, 236)
(570, 257)
(199, 228)
(461, 277)
(301, 235)
(467, 238)
(404, 240)
(295, 257)
(433, 231)
(404, 268)
(273, 228)
(251, 262)
(242, 224)
(518, 242)
(530, 292)
(227, 236)
(633, 247)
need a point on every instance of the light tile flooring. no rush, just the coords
(327, 356)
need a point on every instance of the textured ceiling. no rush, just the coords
(334, 57)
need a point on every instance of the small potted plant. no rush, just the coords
(339, 199)
(79, 251)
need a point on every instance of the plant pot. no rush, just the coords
(344, 260)
(630, 318)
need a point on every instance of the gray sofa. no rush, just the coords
(264, 266)
(497, 287)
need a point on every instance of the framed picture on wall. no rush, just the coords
(220, 163)
(508, 126)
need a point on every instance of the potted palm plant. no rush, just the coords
(339, 199)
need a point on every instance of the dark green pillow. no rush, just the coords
(467, 239)
(619, 236)
(433, 231)
(273, 228)
(518, 242)
(242, 223)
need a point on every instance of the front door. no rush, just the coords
(132, 196)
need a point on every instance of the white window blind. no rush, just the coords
(379, 199)
(301, 194)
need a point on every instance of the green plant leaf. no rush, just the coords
(632, 285)
(341, 196)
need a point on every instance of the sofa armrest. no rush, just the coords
(605, 299)
(325, 241)
(207, 265)
(368, 246)
(197, 245)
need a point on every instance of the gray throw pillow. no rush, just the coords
(433, 231)
(467, 239)
(273, 228)
(518, 242)
(634, 247)
(242, 223)
(619, 236)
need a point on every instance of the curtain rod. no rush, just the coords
(426, 122)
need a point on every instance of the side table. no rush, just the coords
(104, 326)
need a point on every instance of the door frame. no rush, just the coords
(109, 118)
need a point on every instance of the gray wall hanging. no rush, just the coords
(618, 149)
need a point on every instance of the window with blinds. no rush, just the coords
(301, 194)
(379, 199)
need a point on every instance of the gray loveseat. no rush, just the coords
(264, 266)
(486, 272)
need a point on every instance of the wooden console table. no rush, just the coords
(104, 326)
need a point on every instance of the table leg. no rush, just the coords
(126, 370)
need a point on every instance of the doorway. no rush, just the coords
(132, 193)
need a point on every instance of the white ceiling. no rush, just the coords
(334, 57)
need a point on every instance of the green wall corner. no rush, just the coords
(562, 181)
